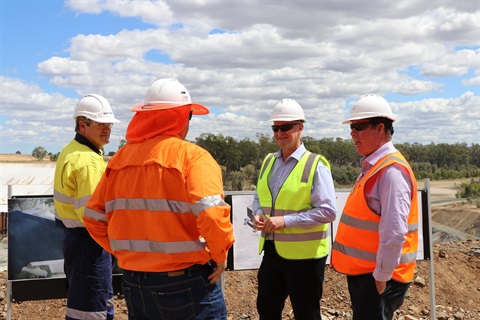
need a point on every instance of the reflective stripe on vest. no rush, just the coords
(294, 196)
(156, 205)
(65, 201)
(71, 195)
(355, 247)
(157, 247)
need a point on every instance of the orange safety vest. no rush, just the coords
(160, 207)
(354, 250)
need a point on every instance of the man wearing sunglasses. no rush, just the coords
(293, 205)
(376, 240)
(79, 168)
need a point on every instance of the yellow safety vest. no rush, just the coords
(356, 243)
(293, 243)
(77, 174)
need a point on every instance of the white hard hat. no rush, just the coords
(370, 106)
(96, 108)
(287, 110)
(168, 93)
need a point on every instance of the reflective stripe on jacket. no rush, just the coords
(357, 239)
(77, 173)
(294, 196)
(160, 207)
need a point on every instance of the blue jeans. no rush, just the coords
(177, 295)
(89, 277)
(367, 304)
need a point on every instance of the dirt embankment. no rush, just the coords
(452, 218)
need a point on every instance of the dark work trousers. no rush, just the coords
(89, 274)
(367, 304)
(278, 278)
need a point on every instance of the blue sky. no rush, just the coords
(240, 58)
(33, 31)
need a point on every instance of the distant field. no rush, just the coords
(19, 158)
(443, 189)
(23, 158)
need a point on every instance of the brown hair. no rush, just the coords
(81, 118)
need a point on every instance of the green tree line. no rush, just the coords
(241, 159)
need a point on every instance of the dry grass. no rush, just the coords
(19, 158)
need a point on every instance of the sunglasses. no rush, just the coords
(284, 127)
(360, 126)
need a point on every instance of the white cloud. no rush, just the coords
(440, 120)
(57, 66)
(156, 12)
(319, 53)
(454, 63)
(471, 81)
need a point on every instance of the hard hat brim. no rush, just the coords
(273, 119)
(99, 120)
(390, 116)
(106, 120)
(196, 108)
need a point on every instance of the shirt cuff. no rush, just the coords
(257, 212)
(381, 276)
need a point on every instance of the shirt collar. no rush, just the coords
(369, 161)
(82, 140)
(297, 154)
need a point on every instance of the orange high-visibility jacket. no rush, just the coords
(357, 239)
(160, 207)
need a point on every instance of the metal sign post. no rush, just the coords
(433, 308)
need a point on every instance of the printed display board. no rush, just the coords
(244, 253)
(35, 257)
(34, 239)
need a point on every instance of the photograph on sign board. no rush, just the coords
(34, 240)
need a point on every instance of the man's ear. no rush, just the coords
(81, 126)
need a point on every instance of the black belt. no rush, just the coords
(176, 273)
(182, 272)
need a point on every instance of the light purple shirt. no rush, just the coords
(322, 194)
(390, 197)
